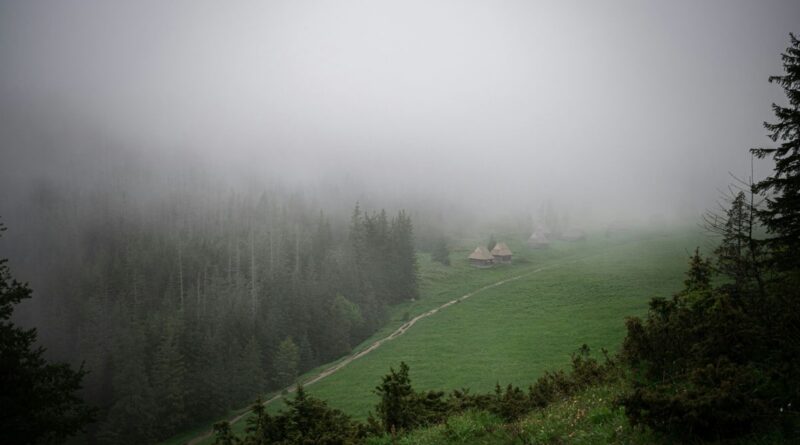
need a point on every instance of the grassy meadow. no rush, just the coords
(570, 294)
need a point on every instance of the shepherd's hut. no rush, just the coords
(501, 253)
(538, 240)
(481, 257)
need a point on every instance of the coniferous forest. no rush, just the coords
(187, 313)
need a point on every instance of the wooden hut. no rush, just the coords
(538, 240)
(501, 253)
(481, 257)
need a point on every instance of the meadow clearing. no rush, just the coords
(571, 294)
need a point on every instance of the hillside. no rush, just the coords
(589, 417)
(571, 294)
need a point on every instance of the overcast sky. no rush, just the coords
(644, 104)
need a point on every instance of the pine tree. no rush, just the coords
(249, 374)
(285, 363)
(782, 213)
(738, 255)
(39, 399)
(396, 407)
(441, 252)
(132, 418)
(321, 243)
(310, 421)
(210, 379)
(698, 277)
(344, 319)
(404, 259)
(169, 379)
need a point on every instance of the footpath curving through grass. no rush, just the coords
(580, 293)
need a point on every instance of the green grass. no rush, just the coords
(589, 417)
(514, 332)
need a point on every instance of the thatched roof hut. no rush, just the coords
(538, 240)
(481, 257)
(501, 253)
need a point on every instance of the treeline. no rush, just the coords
(189, 308)
(401, 408)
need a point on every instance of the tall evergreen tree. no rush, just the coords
(342, 319)
(39, 401)
(210, 379)
(441, 252)
(285, 363)
(396, 406)
(405, 258)
(169, 379)
(738, 255)
(248, 373)
(132, 418)
(782, 212)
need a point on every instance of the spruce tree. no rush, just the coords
(404, 256)
(248, 372)
(132, 418)
(739, 254)
(782, 213)
(396, 408)
(169, 379)
(210, 379)
(441, 252)
(285, 363)
(698, 277)
(344, 318)
(39, 401)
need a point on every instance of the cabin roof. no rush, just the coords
(538, 237)
(481, 253)
(501, 249)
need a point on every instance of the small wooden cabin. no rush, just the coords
(538, 240)
(501, 253)
(481, 257)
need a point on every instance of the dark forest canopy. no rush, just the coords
(189, 308)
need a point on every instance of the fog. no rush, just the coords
(211, 199)
(603, 107)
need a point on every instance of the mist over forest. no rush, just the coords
(211, 199)
(609, 108)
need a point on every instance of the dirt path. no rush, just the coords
(397, 333)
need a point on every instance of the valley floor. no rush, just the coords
(507, 324)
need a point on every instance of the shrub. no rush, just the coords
(307, 421)
(713, 362)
